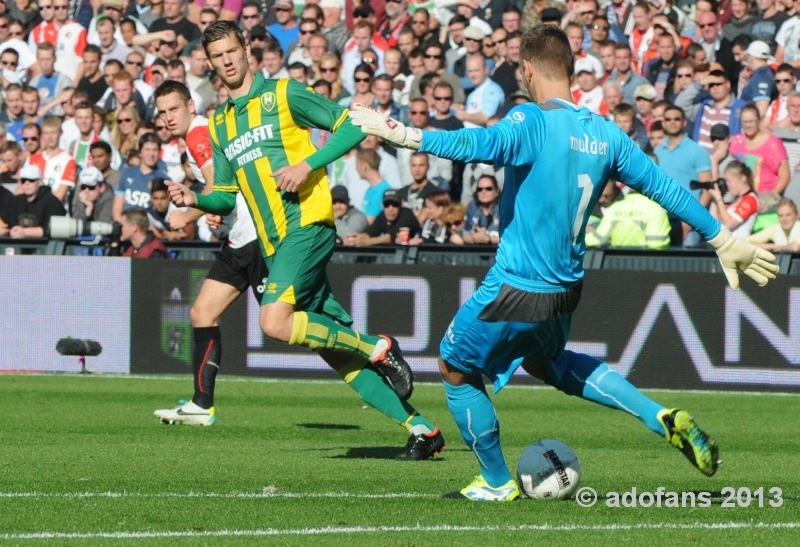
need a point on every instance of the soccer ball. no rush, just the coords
(548, 470)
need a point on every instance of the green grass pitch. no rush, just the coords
(83, 461)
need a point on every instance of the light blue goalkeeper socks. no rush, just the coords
(591, 379)
(476, 419)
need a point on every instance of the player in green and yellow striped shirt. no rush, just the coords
(262, 148)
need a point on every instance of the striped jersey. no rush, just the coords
(198, 146)
(255, 135)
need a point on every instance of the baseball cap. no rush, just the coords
(117, 4)
(339, 193)
(283, 4)
(645, 91)
(759, 49)
(583, 65)
(30, 172)
(258, 32)
(550, 15)
(331, 4)
(91, 176)
(474, 33)
(719, 131)
(392, 196)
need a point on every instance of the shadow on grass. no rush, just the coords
(374, 453)
(341, 427)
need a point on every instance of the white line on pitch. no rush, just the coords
(269, 492)
(331, 530)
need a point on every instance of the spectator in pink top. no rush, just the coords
(763, 153)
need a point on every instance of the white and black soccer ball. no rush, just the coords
(548, 470)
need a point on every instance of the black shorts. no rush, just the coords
(241, 268)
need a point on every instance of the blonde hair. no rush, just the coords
(454, 212)
(337, 85)
(126, 143)
(786, 202)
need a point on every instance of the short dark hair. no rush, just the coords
(221, 30)
(172, 86)
(159, 185)
(11, 50)
(148, 137)
(546, 47)
(102, 145)
(675, 108)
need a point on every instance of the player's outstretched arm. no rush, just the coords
(392, 131)
(736, 254)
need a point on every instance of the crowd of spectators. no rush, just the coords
(709, 90)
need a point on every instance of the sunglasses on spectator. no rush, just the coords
(418, 112)
(448, 98)
(125, 120)
(431, 55)
(485, 188)
(361, 80)
(687, 75)
(67, 7)
(500, 41)
(27, 139)
(783, 80)
(23, 181)
(715, 84)
(488, 44)
(246, 17)
(87, 187)
(136, 63)
(307, 31)
(707, 25)
(328, 69)
(391, 204)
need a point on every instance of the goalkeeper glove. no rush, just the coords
(395, 133)
(734, 253)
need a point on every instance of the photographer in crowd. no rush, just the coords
(740, 215)
(136, 231)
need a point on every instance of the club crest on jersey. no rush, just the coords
(268, 101)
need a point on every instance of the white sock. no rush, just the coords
(419, 429)
(380, 347)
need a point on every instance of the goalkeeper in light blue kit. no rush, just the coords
(558, 159)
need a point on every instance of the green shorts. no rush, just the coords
(298, 273)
